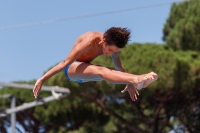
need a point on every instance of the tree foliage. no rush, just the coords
(100, 107)
(181, 30)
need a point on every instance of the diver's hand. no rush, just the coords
(37, 87)
(133, 92)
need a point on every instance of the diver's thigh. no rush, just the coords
(84, 71)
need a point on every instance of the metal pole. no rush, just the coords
(13, 115)
(29, 105)
(63, 93)
(30, 87)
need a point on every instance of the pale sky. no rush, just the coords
(26, 52)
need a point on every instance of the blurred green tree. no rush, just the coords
(181, 30)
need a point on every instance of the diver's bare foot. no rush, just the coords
(147, 82)
(146, 79)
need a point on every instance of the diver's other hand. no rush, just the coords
(37, 87)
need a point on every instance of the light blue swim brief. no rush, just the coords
(66, 74)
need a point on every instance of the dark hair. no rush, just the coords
(117, 36)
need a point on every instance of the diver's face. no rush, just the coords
(110, 49)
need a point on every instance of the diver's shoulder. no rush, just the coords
(93, 33)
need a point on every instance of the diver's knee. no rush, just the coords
(102, 71)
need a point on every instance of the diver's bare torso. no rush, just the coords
(94, 43)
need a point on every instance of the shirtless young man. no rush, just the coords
(87, 47)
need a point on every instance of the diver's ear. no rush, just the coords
(104, 39)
